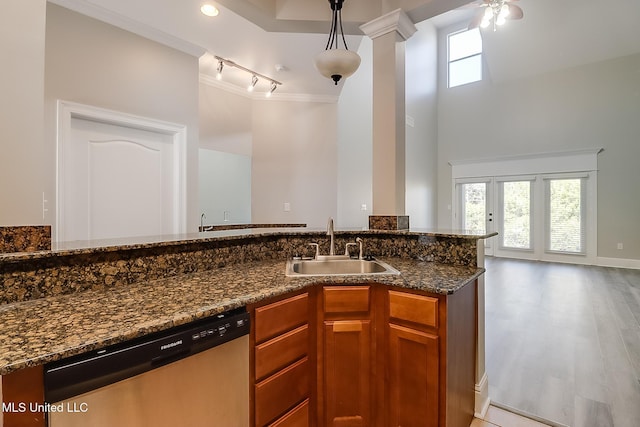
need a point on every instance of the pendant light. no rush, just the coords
(334, 62)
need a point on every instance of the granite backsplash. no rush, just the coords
(57, 273)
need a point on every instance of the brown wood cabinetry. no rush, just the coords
(365, 355)
(281, 362)
(413, 360)
(345, 373)
(430, 343)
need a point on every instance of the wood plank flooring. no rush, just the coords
(563, 341)
(498, 417)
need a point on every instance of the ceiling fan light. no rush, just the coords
(337, 63)
(500, 20)
(504, 10)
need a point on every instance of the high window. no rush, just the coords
(465, 57)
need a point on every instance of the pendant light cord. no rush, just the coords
(336, 23)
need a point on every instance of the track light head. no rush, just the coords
(272, 89)
(219, 70)
(254, 82)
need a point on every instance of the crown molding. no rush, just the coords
(133, 26)
(396, 20)
(259, 96)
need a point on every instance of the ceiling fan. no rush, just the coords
(494, 12)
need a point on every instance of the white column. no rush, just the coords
(482, 400)
(389, 32)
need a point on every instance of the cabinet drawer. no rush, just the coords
(418, 309)
(297, 417)
(281, 351)
(275, 395)
(346, 299)
(281, 316)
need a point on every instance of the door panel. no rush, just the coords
(414, 378)
(347, 373)
(117, 181)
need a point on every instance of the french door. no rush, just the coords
(544, 217)
(475, 208)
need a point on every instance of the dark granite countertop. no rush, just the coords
(132, 243)
(39, 331)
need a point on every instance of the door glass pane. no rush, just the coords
(565, 215)
(475, 207)
(516, 215)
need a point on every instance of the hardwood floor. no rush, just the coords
(563, 341)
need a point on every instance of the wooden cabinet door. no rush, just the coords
(413, 378)
(347, 373)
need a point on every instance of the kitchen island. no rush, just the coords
(74, 299)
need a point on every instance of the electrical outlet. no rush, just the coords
(287, 206)
(363, 207)
(620, 246)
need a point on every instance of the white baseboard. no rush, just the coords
(482, 400)
(618, 262)
(599, 261)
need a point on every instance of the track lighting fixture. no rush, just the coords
(254, 82)
(272, 89)
(255, 77)
(219, 70)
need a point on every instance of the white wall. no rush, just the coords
(294, 161)
(224, 187)
(421, 131)
(355, 171)
(225, 120)
(93, 63)
(355, 152)
(594, 105)
(22, 44)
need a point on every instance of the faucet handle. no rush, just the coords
(346, 248)
(317, 254)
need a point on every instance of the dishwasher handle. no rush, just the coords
(165, 359)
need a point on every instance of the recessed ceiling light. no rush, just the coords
(209, 9)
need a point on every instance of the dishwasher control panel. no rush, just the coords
(223, 326)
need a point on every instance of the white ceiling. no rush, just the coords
(553, 34)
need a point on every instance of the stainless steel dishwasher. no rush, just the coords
(193, 375)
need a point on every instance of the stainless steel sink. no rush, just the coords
(337, 267)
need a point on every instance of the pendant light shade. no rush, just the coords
(337, 63)
(334, 62)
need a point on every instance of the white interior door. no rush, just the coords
(118, 181)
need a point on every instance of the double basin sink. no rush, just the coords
(337, 266)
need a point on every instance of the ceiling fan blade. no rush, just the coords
(515, 12)
(477, 19)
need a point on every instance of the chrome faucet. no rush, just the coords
(330, 233)
(202, 218)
